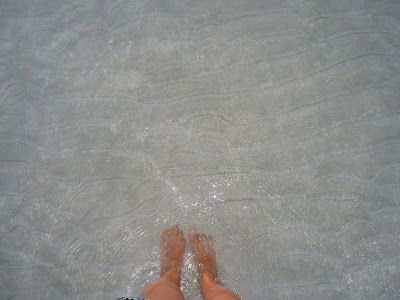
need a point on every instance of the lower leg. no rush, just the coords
(172, 248)
(205, 258)
(162, 289)
(211, 290)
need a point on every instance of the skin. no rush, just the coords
(204, 255)
(172, 250)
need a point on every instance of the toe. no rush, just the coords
(175, 230)
(192, 233)
(164, 235)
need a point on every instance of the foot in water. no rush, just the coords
(172, 249)
(204, 255)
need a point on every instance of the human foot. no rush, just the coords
(204, 255)
(172, 249)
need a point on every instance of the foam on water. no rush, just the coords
(272, 126)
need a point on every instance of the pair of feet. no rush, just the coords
(172, 249)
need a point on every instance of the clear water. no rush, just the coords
(272, 125)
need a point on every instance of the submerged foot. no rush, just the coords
(204, 255)
(172, 249)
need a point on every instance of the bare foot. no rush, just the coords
(172, 249)
(204, 255)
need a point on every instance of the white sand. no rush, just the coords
(274, 127)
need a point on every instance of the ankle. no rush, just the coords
(173, 275)
(208, 284)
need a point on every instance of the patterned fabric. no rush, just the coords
(127, 298)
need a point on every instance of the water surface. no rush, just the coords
(272, 125)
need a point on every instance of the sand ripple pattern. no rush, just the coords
(273, 125)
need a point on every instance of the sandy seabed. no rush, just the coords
(272, 125)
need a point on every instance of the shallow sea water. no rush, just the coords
(272, 125)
